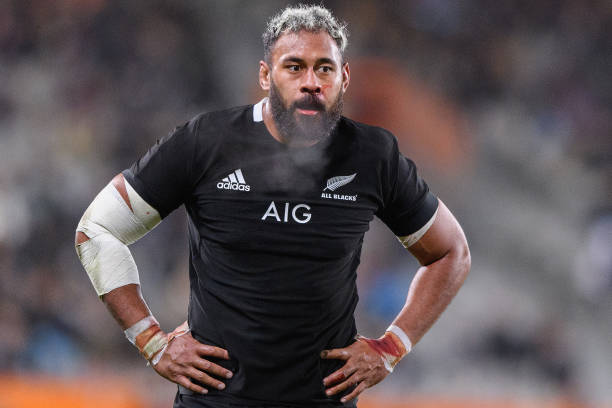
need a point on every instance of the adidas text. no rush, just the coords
(233, 186)
(234, 181)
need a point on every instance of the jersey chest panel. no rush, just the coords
(274, 201)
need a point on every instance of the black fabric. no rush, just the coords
(274, 258)
(186, 398)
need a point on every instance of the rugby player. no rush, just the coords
(279, 195)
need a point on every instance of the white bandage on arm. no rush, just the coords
(132, 332)
(111, 226)
(402, 336)
(411, 239)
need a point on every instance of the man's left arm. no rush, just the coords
(445, 258)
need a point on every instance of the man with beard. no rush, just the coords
(278, 195)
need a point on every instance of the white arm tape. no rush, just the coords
(111, 226)
(402, 336)
(143, 324)
(411, 239)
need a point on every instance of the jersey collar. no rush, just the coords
(258, 110)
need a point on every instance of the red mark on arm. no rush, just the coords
(119, 184)
(80, 238)
(389, 347)
(385, 346)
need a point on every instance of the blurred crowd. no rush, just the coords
(505, 106)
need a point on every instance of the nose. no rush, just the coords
(311, 83)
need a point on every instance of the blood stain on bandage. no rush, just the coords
(146, 335)
(384, 346)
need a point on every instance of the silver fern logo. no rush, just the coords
(338, 181)
(335, 183)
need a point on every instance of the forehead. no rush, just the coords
(306, 45)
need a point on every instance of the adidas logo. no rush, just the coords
(234, 181)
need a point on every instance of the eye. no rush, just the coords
(325, 69)
(293, 68)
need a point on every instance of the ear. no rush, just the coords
(264, 76)
(346, 76)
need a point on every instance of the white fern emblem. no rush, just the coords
(338, 181)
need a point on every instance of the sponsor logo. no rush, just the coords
(335, 183)
(299, 213)
(234, 181)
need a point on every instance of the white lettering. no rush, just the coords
(339, 197)
(305, 214)
(233, 186)
(302, 217)
(271, 212)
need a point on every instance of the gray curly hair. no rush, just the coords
(304, 17)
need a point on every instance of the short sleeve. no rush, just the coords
(408, 203)
(163, 176)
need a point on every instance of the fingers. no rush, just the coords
(186, 382)
(358, 390)
(363, 368)
(183, 364)
(205, 365)
(206, 350)
(198, 370)
(336, 354)
(349, 382)
(204, 378)
(341, 374)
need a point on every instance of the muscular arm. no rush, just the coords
(125, 303)
(445, 258)
(113, 221)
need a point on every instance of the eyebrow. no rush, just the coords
(319, 61)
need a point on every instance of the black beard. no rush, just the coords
(304, 130)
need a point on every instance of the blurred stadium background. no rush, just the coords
(506, 106)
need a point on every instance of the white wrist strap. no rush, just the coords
(132, 332)
(158, 356)
(402, 336)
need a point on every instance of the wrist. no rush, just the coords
(148, 337)
(401, 336)
(178, 332)
(153, 344)
(388, 347)
(397, 343)
(139, 328)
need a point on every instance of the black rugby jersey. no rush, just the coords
(275, 237)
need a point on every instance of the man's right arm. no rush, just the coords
(117, 217)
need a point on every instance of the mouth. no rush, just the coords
(308, 112)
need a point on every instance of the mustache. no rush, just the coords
(309, 102)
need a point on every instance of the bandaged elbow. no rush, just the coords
(110, 225)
